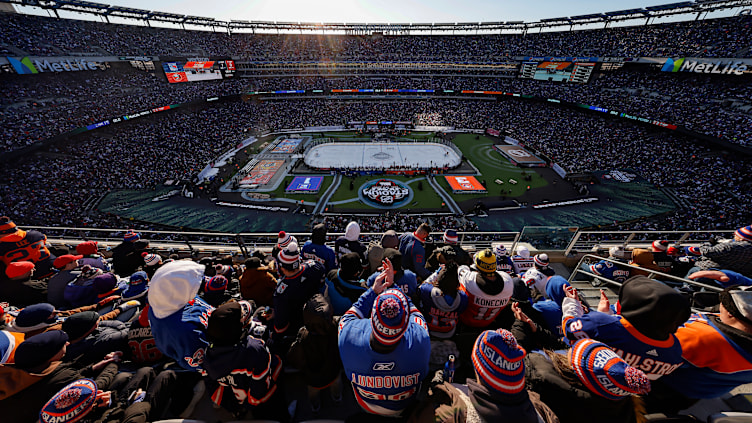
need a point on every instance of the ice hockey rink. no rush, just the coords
(381, 155)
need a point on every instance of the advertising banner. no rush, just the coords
(287, 145)
(263, 172)
(465, 184)
(309, 184)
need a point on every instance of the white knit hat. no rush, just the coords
(289, 258)
(522, 251)
(352, 232)
(173, 286)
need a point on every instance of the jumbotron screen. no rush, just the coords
(198, 70)
(557, 71)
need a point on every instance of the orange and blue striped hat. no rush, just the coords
(604, 373)
(499, 361)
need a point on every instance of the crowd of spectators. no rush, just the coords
(176, 145)
(226, 338)
(52, 104)
(34, 35)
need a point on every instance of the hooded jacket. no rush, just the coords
(178, 317)
(349, 243)
(551, 309)
(315, 350)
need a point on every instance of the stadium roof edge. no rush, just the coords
(684, 7)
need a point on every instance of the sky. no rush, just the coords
(382, 11)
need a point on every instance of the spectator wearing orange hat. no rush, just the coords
(17, 284)
(90, 252)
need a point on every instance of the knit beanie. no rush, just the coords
(70, 404)
(173, 286)
(499, 361)
(18, 269)
(131, 236)
(541, 259)
(105, 284)
(283, 239)
(289, 258)
(653, 308)
(34, 317)
(151, 259)
(451, 237)
(660, 245)
(80, 324)
(216, 284)
(500, 250)
(87, 248)
(744, 233)
(38, 349)
(389, 317)
(225, 327)
(485, 261)
(604, 373)
(522, 251)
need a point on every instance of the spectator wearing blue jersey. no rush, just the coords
(316, 249)
(411, 245)
(643, 332)
(300, 281)
(609, 269)
(404, 279)
(385, 347)
(178, 316)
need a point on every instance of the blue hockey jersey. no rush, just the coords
(408, 283)
(383, 384)
(610, 270)
(655, 358)
(182, 335)
(413, 254)
(319, 253)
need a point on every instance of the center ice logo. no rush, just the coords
(386, 192)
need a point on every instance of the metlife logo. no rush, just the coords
(26, 66)
(718, 68)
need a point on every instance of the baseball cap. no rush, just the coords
(63, 261)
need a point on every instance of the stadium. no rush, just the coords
(214, 141)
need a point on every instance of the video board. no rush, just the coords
(557, 71)
(198, 70)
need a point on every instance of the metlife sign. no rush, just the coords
(26, 66)
(720, 67)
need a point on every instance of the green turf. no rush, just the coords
(492, 165)
(426, 198)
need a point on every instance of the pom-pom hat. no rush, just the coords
(451, 237)
(744, 233)
(289, 258)
(131, 236)
(216, 283)
(604, 373)
(498, 361)
(70, 404)
(390, 317)
(485, 261)
(283, 239)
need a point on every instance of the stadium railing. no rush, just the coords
(588, 240)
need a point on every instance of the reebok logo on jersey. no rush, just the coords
(383, 367)
(652, 352)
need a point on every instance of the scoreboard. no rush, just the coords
(198, 70)
(578, 72)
